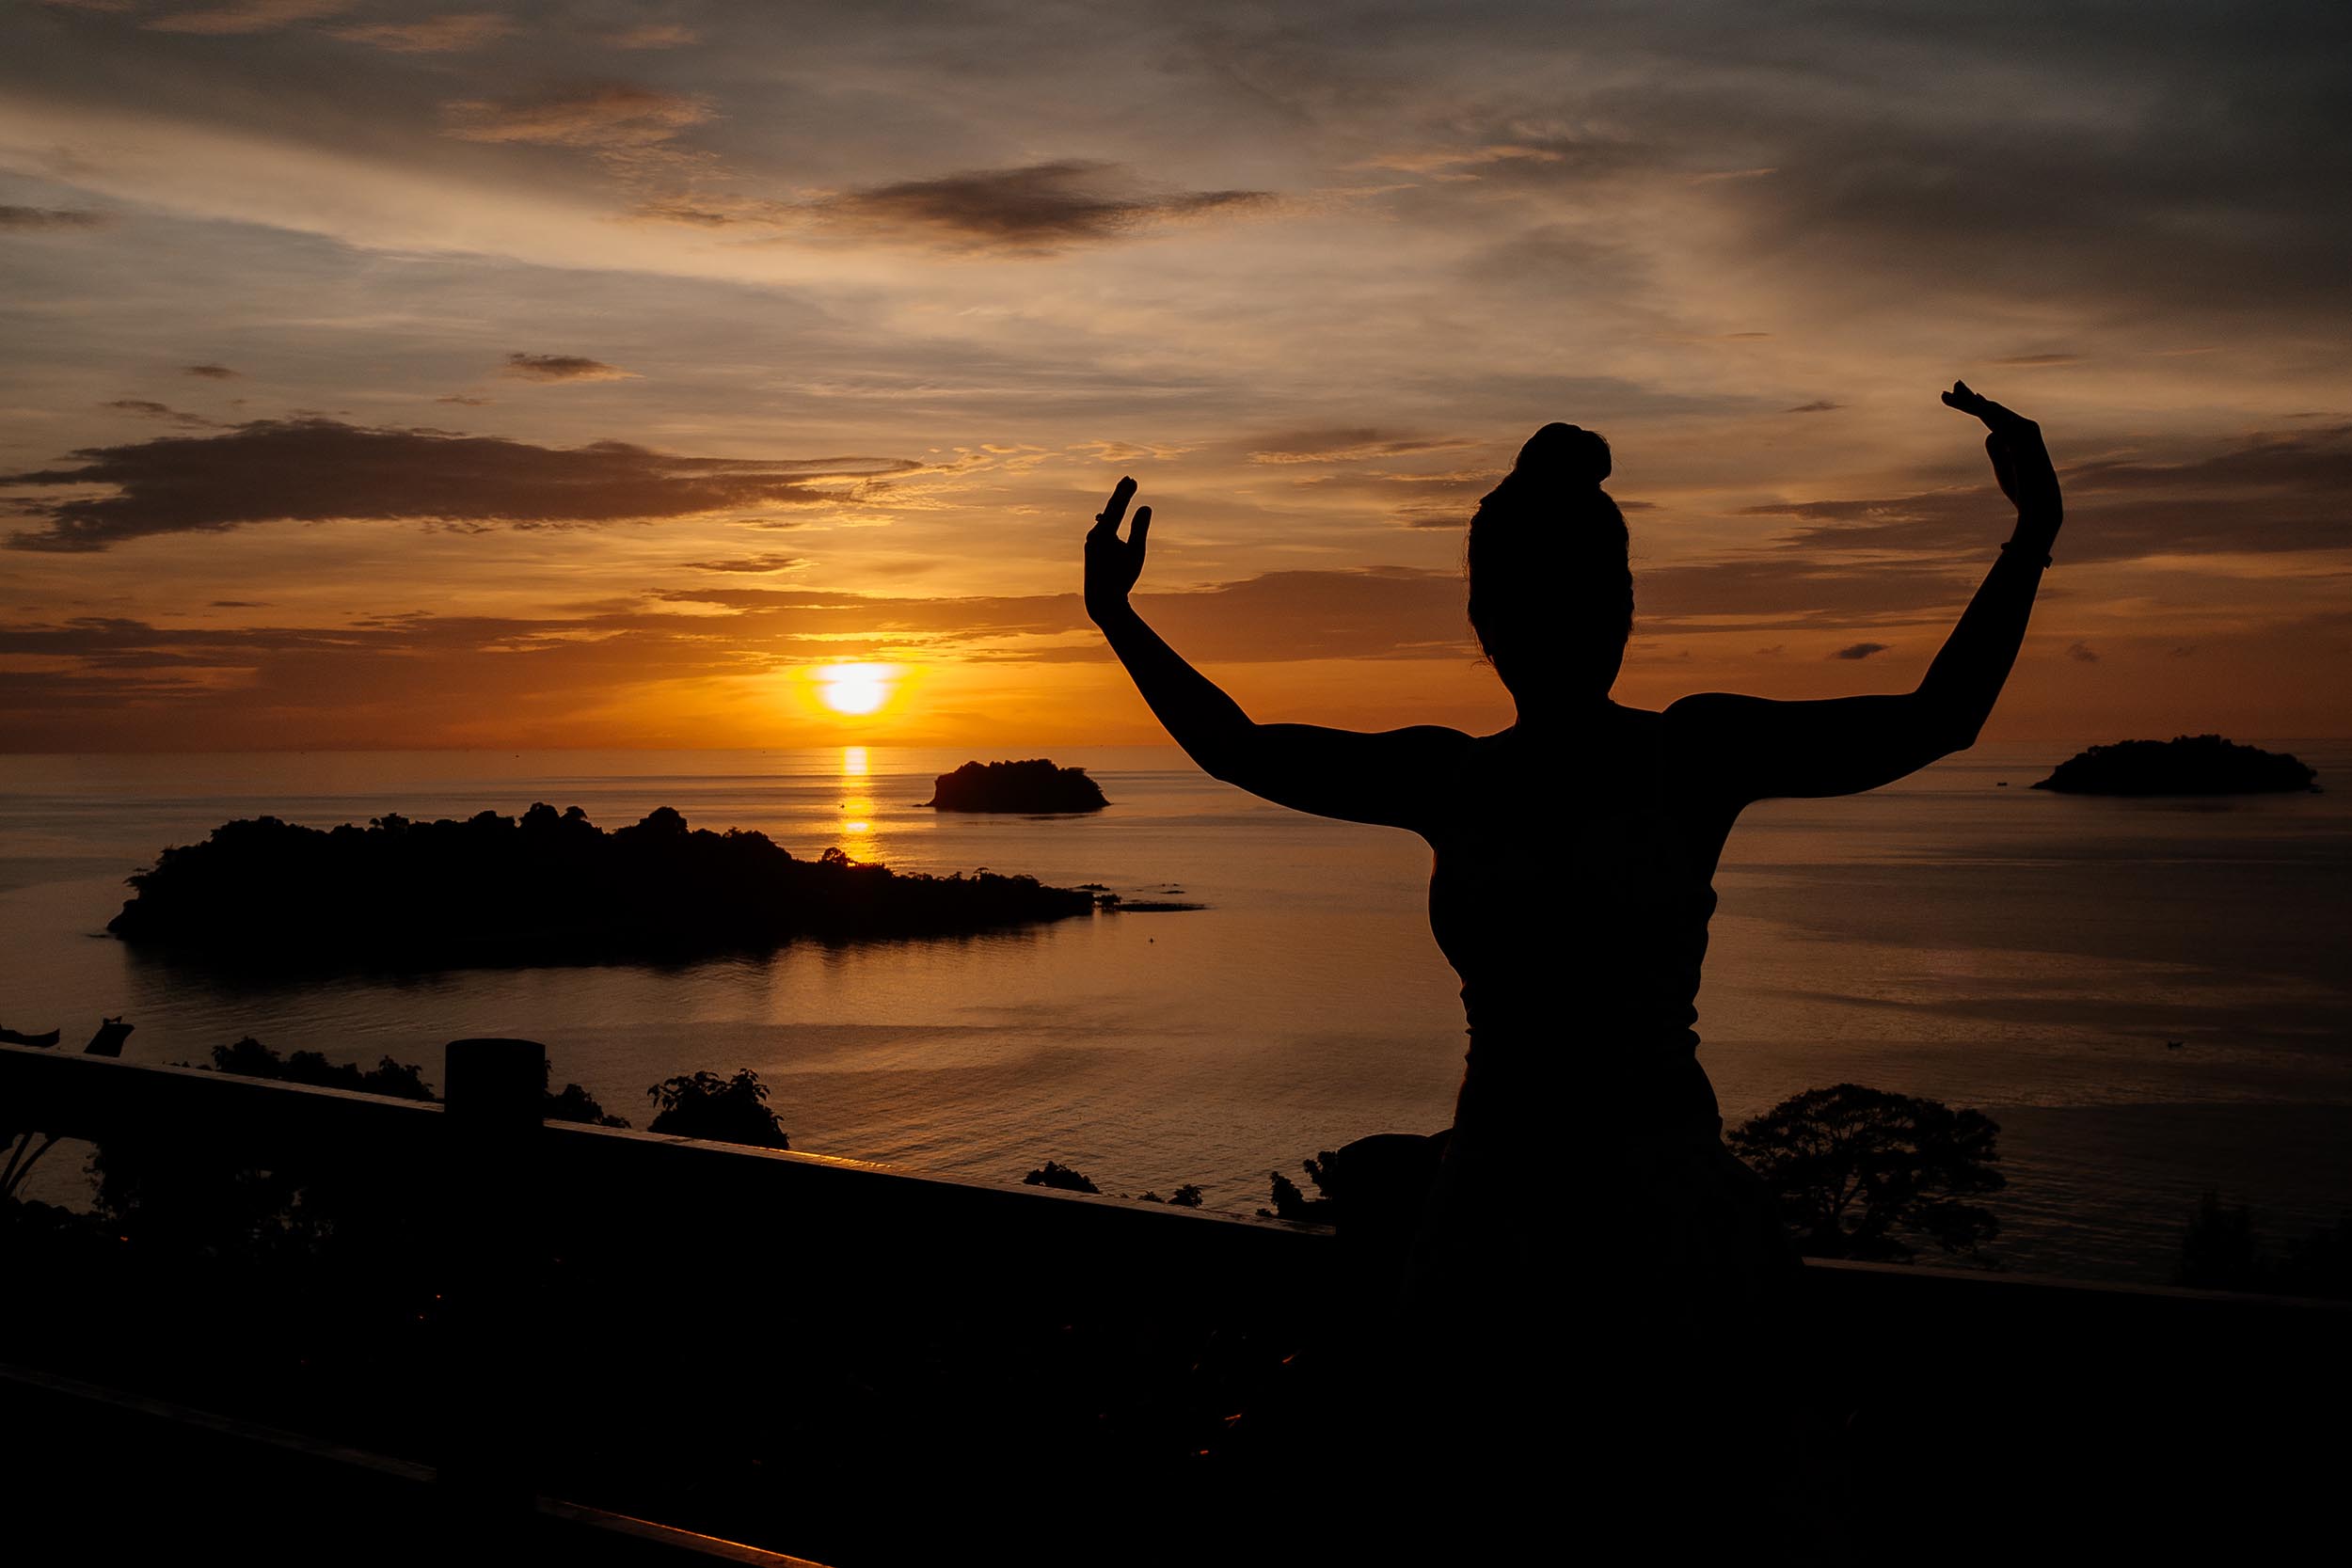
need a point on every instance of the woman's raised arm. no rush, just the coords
(1392, 778)
(1758, 747)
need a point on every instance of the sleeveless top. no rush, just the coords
(1573, 899)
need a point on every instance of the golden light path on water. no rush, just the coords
(857, 807)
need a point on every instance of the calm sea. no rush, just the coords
(2004, 948)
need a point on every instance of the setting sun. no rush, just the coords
(854, 688)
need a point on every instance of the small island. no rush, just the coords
(264, 894)
(2186, 765)
(1035, 786)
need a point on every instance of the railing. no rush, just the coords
(2043, 1393)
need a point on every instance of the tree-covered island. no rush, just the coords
(550, 888)
(1036, 785)
(2186, 765)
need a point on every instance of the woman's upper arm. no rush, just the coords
(1754, 748)
(1396, 778)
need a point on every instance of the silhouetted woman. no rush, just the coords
(1594, 1270)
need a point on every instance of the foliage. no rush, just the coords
(1290, 1203)
(250, 1058)
(727, 1110)
(2222, 1250)
(1185, 1196)
(1852, 1166)
(1060, 1178)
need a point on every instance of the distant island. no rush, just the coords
(549, 889)
(1036, 785)
(2186, 765)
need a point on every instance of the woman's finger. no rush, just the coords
(1115, 510)
(1143, 525)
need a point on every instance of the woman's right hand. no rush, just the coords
(1113, 564)
(2019, 462)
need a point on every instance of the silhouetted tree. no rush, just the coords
(1185, 1196)
(250, 1058)
(1851, 1166)
(729, 1110)
(1059, 1177)
(1292, 1203)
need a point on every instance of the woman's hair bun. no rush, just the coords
(1564, 454)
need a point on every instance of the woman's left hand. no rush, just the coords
(2019, 462)
(1113, 564)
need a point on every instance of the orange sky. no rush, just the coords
(599, 374)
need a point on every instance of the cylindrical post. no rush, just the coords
(493, 1090)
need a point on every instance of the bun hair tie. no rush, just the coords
(1563, 454)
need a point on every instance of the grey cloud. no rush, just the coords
(653, 34)
(2082, 653)
(2263, 494)
(145, 408)
(317, 470)
(749, 564)
(1819, 406)
(1859, 650)
(1348, 446)
(209, 372)
(453, 32)
(2032, 359)
(33, 219)
(615, 115)
(562, 367)
(245, 16)
(1039, 207)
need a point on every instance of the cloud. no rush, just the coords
(320, 469)
(1859, 650)
(2081, 653)
(453, 32)
(562, 367)
(1822, 406)
(245, 16)
(147, 408)
(464, 402)
(2261, 494)
(1035, 207)
(1348, 446)
(2031, 359)
(32, 219)
(614, 115)
(749, 564)
(210, 372)
(653, 34)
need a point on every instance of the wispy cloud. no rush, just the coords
(320, 469)
(245, 16)
(27, 219)
(611, 114)
(1038, 207)
(1349, 446)
(559, 367)
(1859, 650)
(450, 33)
(209, 372)
(147, 408)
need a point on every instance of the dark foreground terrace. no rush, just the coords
(477, 1336)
